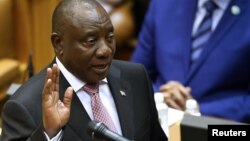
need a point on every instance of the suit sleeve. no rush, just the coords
(18, 124)
(145, 50)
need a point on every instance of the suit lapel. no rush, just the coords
(189, 9)
(124, 104)
(123, 98)
(78, 117)
(225, 24)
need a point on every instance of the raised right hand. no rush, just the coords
(55, 112)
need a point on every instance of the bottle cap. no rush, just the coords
(191, 104)
(159, 97)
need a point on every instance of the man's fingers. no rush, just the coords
(171, 103)
(55, 74)
(47, 89)
(180, 92)
(68, 97)
(48, 74)
(178, 98)
(174, 100)
(55, 83)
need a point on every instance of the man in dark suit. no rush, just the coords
(53, 105)
(219, 78)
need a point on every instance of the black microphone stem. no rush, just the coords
(101, 131)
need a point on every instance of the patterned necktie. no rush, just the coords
(99, 111)
(203, 32)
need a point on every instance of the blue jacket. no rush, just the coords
(220, 78)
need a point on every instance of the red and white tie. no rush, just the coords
(100, 113)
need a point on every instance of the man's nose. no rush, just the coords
(104, 50)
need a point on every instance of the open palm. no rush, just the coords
(55, 112)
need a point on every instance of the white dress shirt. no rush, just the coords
(217, 15)
(105, 96)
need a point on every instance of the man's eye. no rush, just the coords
(91, 41)
(110, 37)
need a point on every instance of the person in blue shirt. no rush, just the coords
(219, 78)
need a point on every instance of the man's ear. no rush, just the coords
(57, 44)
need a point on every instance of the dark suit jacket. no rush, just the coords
(137, 112)
(220, 78)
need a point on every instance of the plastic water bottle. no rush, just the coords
(192, 107)
(162, 109)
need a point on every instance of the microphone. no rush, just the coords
(101, 131)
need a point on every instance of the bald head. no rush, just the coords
(66, 11)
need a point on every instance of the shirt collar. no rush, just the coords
(222, 4)
(75, 83)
